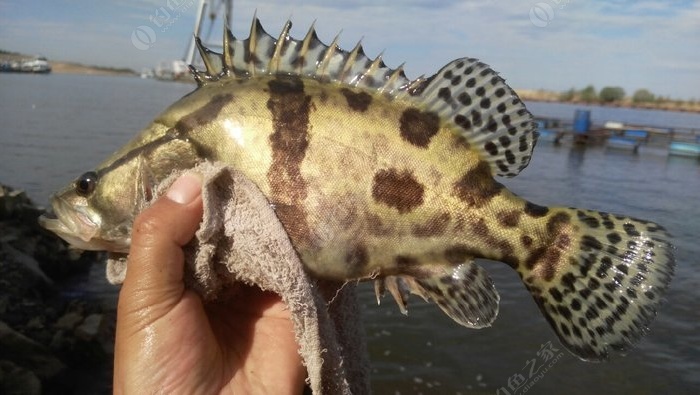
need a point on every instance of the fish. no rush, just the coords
(378, 177)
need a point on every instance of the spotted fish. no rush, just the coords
(375, 176)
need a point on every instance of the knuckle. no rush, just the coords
(149, 224)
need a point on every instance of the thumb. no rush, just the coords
(156, 260)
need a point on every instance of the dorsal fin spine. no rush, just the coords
(330, 51)
(228, 49)
(377, 63)
(252, 44)
(304, 51)
(393, 77)
(350, 60)
(206, 54)
(274, 64)
(195, 74)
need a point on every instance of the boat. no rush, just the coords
(685, 148)
(37, 65)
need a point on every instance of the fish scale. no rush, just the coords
(378, 177)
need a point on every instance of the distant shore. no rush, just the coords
(77, 68)
(61, 67)
(554, 97)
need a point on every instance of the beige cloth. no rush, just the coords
(241, 239)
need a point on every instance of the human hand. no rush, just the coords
(168, 341)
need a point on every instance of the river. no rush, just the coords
(55, 127)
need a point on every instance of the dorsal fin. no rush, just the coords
(262, 54)
(468, 96)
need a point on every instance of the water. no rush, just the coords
(601, 114)
(53, 128)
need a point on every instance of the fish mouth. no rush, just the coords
(72, 224)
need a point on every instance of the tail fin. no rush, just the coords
(609, 279)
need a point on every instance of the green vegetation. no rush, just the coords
(643, 96)
(588, 94)
(616, 95)
(611, 94)
(569, 95)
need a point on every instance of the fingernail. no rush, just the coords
(185, 189)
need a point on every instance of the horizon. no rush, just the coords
(552, 45)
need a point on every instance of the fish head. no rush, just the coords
(96, 211)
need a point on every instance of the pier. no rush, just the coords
(579, 130)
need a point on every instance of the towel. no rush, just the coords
(241, 239)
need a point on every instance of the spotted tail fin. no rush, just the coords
(607, 277)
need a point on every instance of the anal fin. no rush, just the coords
(465, 292)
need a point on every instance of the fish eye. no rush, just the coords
(86, 183)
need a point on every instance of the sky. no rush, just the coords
(549, 44)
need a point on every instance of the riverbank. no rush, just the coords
(63, 67)
(554, 97)
(50, 341)
(77, 68)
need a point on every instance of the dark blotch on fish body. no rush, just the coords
(203, 115)
(509, 219)
(358, 101)
(290, 109)
(477, 187)
(418, 127)
(357, 258)
(398, 190)
(535, 210)
(435, 226)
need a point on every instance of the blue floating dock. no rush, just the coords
(630, 139)
(684, 148)
(624, 143)
(581, 130)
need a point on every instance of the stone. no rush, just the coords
(35, 323)
(69, 320)
(12, 201)
(28, 262)
(27, 353)
(90, 327)
(18, 380)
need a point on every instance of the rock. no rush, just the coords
(4, 303)
(90, 327)
(52, 337)
(27, 261)
(12, 202)
(29, 354)
(62, 341)
(69, 320)
(18, 380)
(35, 323)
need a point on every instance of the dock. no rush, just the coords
(579, 130)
